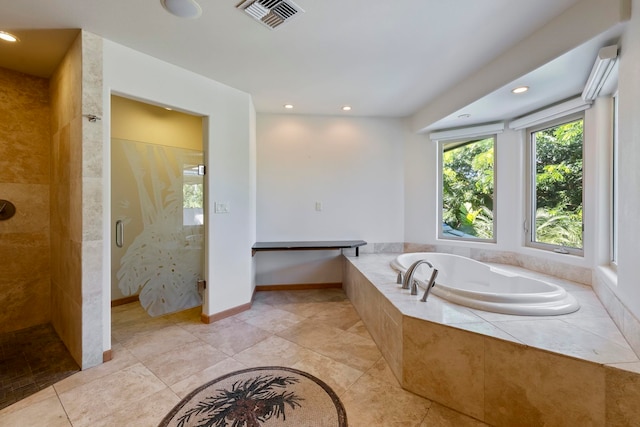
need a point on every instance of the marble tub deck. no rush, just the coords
(585, 344)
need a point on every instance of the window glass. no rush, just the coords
(467, 189)
(192, 196)
(556, 186)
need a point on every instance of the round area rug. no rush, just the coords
(260, 397)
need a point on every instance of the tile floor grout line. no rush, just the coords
(55, 390)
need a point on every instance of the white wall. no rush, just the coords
(628, 288)
(229, 148)
(420, 190)
(353, 166)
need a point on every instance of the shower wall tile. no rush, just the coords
(92, 78)
(91, 322)
(91, 209)
(92, 261)
(92, 195)
(92, 151)
(72, 279)
(24, 180)
(24, 129)
(24, 255)
(32, 208)
(75, 210)
(66, 88)
(62, 159)
(66, 195)
(519, 381)
(76, 130)
(25, 302)
(66, 320)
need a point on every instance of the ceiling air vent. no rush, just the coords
(271, 13)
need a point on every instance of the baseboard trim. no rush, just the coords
(125, 300)
(107, 356)
(224, 314)
(299, 287)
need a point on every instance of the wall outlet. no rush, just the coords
(319, 206)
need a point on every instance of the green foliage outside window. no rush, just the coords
(467, 188)
(558, 185)
(192, 196)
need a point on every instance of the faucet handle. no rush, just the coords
(400, 278)
(414, 287)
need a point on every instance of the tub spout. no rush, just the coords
(410, 282)
(431, 284)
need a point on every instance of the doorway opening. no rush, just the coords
(157, 208)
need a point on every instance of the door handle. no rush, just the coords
(119, 233)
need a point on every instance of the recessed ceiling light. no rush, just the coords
(464, 116)
(8, 37)
(520, 89)
(288, 106)
(346, 108)
(182, 8)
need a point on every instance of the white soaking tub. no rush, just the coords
(474, 284)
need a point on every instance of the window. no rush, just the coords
(192, 196)
(467, 189)
(614, 186)
(555, 186)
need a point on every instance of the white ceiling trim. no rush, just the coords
(468, 132)
(557, 111)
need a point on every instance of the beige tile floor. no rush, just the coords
(157, 361)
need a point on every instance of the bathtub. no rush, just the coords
(473, 284)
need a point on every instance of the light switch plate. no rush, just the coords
(221, 207)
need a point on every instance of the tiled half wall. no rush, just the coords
(497, 381)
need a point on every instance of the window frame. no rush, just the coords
(530, 193)
(613, 188)
(458, 142)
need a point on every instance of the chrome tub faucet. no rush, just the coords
(409, 282)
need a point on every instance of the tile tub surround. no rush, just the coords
(500, 369)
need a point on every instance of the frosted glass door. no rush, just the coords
(158, 225)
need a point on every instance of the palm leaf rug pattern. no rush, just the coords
(260, 397)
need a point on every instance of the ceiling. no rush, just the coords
(384, 58)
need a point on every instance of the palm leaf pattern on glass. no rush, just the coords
(247, 404)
